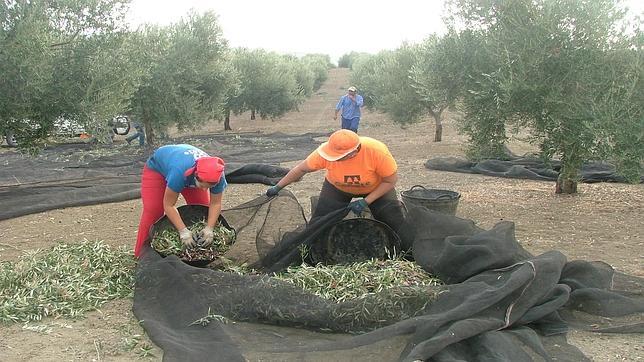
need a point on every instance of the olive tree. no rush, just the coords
(319, 64)
(437, 76)
(411, 82)
(305, 76)
(94, 81)
(364, 76)
(187, 74)
(564, 70)
(348, 60)
(384, 81)
(270, 84)
(478, 97)
(52, 60)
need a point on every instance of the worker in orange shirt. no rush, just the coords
(357, 167)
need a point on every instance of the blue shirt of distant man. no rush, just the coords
(350, 105)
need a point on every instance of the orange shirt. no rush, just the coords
(361, 174)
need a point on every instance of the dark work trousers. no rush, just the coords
(386, 209)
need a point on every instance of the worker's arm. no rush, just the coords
(388, 183)
(295, 174)
(214, 209)
(169, 200)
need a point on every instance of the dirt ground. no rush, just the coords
(603, 222)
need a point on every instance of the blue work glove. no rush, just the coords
(273, 191)
(357, 206)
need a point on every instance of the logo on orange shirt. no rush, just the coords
(352, 179)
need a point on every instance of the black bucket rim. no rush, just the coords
(387, 227)
(453, 195)
(393, 239)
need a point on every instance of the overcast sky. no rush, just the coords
(299, 27)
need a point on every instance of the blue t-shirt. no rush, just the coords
(172, 161)
(350, 109)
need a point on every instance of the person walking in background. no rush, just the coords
(356, 167)
(180, 169)
(349, 107)
(140, 134)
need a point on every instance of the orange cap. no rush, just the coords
(340, 144)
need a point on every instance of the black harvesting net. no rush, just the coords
(498, 302)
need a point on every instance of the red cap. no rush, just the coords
(207, 169)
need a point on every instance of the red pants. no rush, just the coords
(153, 187)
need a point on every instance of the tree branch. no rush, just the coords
(56, 45)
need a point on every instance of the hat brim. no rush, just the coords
(328, 154)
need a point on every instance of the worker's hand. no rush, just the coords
(186, 238)
(357, 206)
(335, 118)
(273, 191)
(207, 236)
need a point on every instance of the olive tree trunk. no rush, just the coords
(227, 121)
(569, 174)
(438, 120)
(150, 136)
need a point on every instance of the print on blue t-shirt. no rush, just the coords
(172, 161)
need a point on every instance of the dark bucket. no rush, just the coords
(355, 240)
(444, 201)
(190, 214)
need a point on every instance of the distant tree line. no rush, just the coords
(566, 72)
(77, 60)
(271, 84)
(347, 60)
